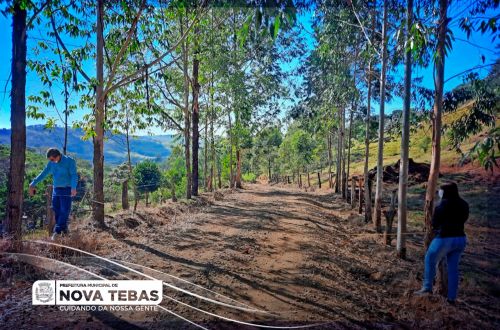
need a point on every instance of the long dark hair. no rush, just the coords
(450, 190)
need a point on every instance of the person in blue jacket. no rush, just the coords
(65, 179)
(449, 242)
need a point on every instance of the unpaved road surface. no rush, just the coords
(303, 257)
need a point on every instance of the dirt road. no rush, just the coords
(304, 257)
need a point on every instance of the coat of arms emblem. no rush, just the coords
(44, 292)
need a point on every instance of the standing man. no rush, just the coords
(65, 179)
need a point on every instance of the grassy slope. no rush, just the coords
(476, 186)
(392, 149)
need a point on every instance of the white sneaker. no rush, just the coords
(422, 292)
(53, 237)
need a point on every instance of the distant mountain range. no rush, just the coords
(115, 150)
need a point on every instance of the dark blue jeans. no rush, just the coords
(61, 204)
(450, 248)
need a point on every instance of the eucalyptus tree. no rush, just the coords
(471, 18)
(248, 75)
(114, 49)
(297, 149)
(128, 110)
(21, 23)
(174, 83)
(341, 39)
(377, 215)
(18, 120)
(266, 145)
(52, 72)
(405, 138)
(370, 56)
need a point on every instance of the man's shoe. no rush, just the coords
(422, 292)
(53, 237)
(452, 302)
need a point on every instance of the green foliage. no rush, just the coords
(119, 174)
(425, 143)
(265, 149)
(147, 176)
(249, 177)
(297, 149)
(175, 173)
(487, 150)
(482, 113)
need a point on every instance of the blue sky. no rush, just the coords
(463, 56)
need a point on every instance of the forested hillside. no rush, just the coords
(41, 138)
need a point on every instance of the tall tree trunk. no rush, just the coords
(349, 142)
(196, 115)
(238, 167)
(231, 174)
(212, 110)
(268, 166)
(436, 121)
(342, 148)
(368, 197)
(338, 174)
(237, 123)
(66, 98)
(66, 112)
(405, 141)
(98, 160)
(65, 146)
(187, 142)
(329, 143)
(205, 154)
(15, 185)
(219, 174)
(212, 138)
(351, 113)
(380, 156)
(129, 159)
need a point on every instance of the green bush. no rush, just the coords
(249, 177)
(425, 144)
(147, 176)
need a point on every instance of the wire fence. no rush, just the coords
(35, 215)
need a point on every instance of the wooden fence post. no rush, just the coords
(360, 196)
(353, 191)
(319, 180)
(389, 217)
(308, 179)
(50, 216)
(368, 201)
(300, 180)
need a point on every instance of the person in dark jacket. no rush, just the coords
(450, 240)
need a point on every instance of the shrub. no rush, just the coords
(249, 177)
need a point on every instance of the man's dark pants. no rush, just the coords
(61, 204)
